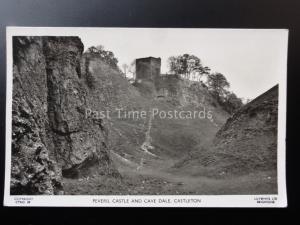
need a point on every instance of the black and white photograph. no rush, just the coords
(168, 117)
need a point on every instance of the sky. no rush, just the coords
(252, 60)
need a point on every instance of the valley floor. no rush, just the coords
(156, 178)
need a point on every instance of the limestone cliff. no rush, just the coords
(51, 137)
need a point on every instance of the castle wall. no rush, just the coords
(168, 85)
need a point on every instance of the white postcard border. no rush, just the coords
(279, 200)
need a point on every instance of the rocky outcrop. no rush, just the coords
(246, 143)
(33, 170)
(51, 136)
(249, 138)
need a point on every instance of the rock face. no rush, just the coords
(249, 138)
(51, 136)
(246, 143)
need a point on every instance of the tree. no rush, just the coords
(232, 102)
(107, 56)
(174, 65)
(125, 67)
(131, 69)
(247, 100)
(218, 85)
(187, 65)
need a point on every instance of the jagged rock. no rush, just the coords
(33, 171)
(248, 140)
(51, 137)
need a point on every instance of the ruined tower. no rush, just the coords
(148, 69)
(151, 82)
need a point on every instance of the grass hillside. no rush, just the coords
(247, 143)
(169, 137)
(250, 135)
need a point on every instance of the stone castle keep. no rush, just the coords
(148, 68)
(150, 79)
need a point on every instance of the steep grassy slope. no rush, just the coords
(135, 140)
(246, 143)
